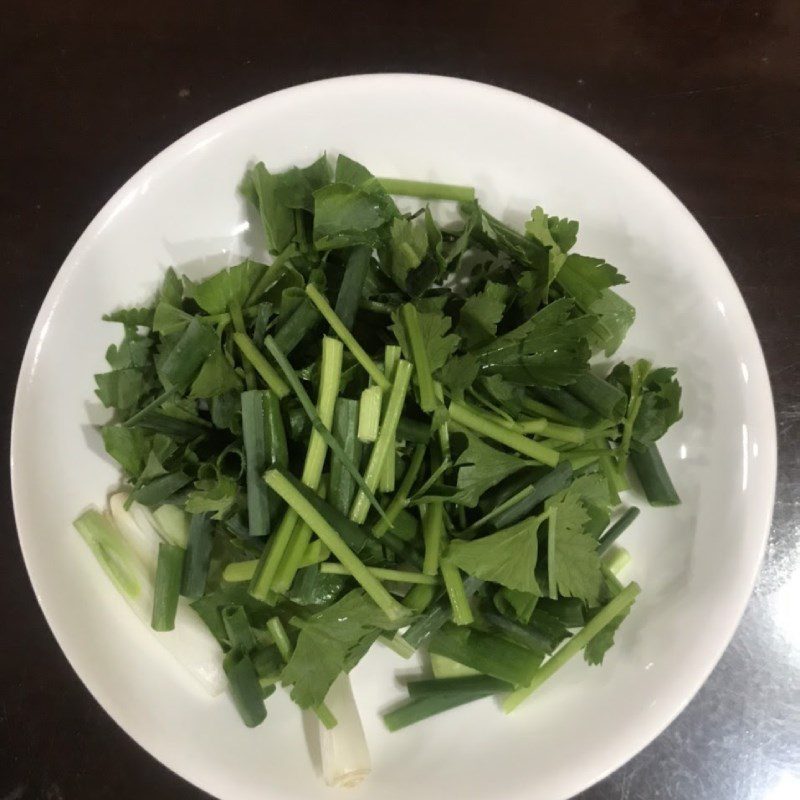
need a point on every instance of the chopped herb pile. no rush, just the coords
(392, 433)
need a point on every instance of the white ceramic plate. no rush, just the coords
(696, 563)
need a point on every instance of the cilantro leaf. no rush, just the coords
(578, 566)
(128, 446)
(599, 645)
(458, 374)
(548, 350)
(215, 294)
(261, 188)
(295, 188)
(216, 377)
(212, 496)
(508, 395)
(345, 216)
(481, 467)
(585, 278)
(660, 398)
(332, 641)
(614, 318)
(564, 232)
(131, 317)
(352, 172)
(577, 563)
(499, 237)
(121, 389)
(507, 557)
(408, 244)
(588, 281)
(434, 326)
(171, 289)
(181, 356)
(169, 319)
(480, 314)
(538, 228)
(133, 351)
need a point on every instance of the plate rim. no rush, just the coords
(216, 125)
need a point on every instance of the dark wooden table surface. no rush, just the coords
(706, 94)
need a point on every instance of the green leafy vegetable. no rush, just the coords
(551, 349)
(507, 557)
(481, 466)
(455, 474)
(330, 642)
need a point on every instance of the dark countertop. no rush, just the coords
(706, 94)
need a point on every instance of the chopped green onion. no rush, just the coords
(468, 684)
(524, 635)
(371, 585)
(116, 556)
(151, 406)
(254, 434)
(352, 286)
(574, 645)
(308, 407)
(653, 476)
(239, 571)
(342, 487)
(616, 560)
(599, 395)
(488, 653)
(160, 489)
(497, 510)
(301, 321)
(331, 370)
(245, 688)
(443, 667)
(410, 430)
(573, 410)
(272, 274)
(435, 616)
(167, 587)
(345, 757)
(616, 530)
(198, 557)
(319, 300)
(184, 360)
(421, 708)
(238, 630)
(172, 522)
